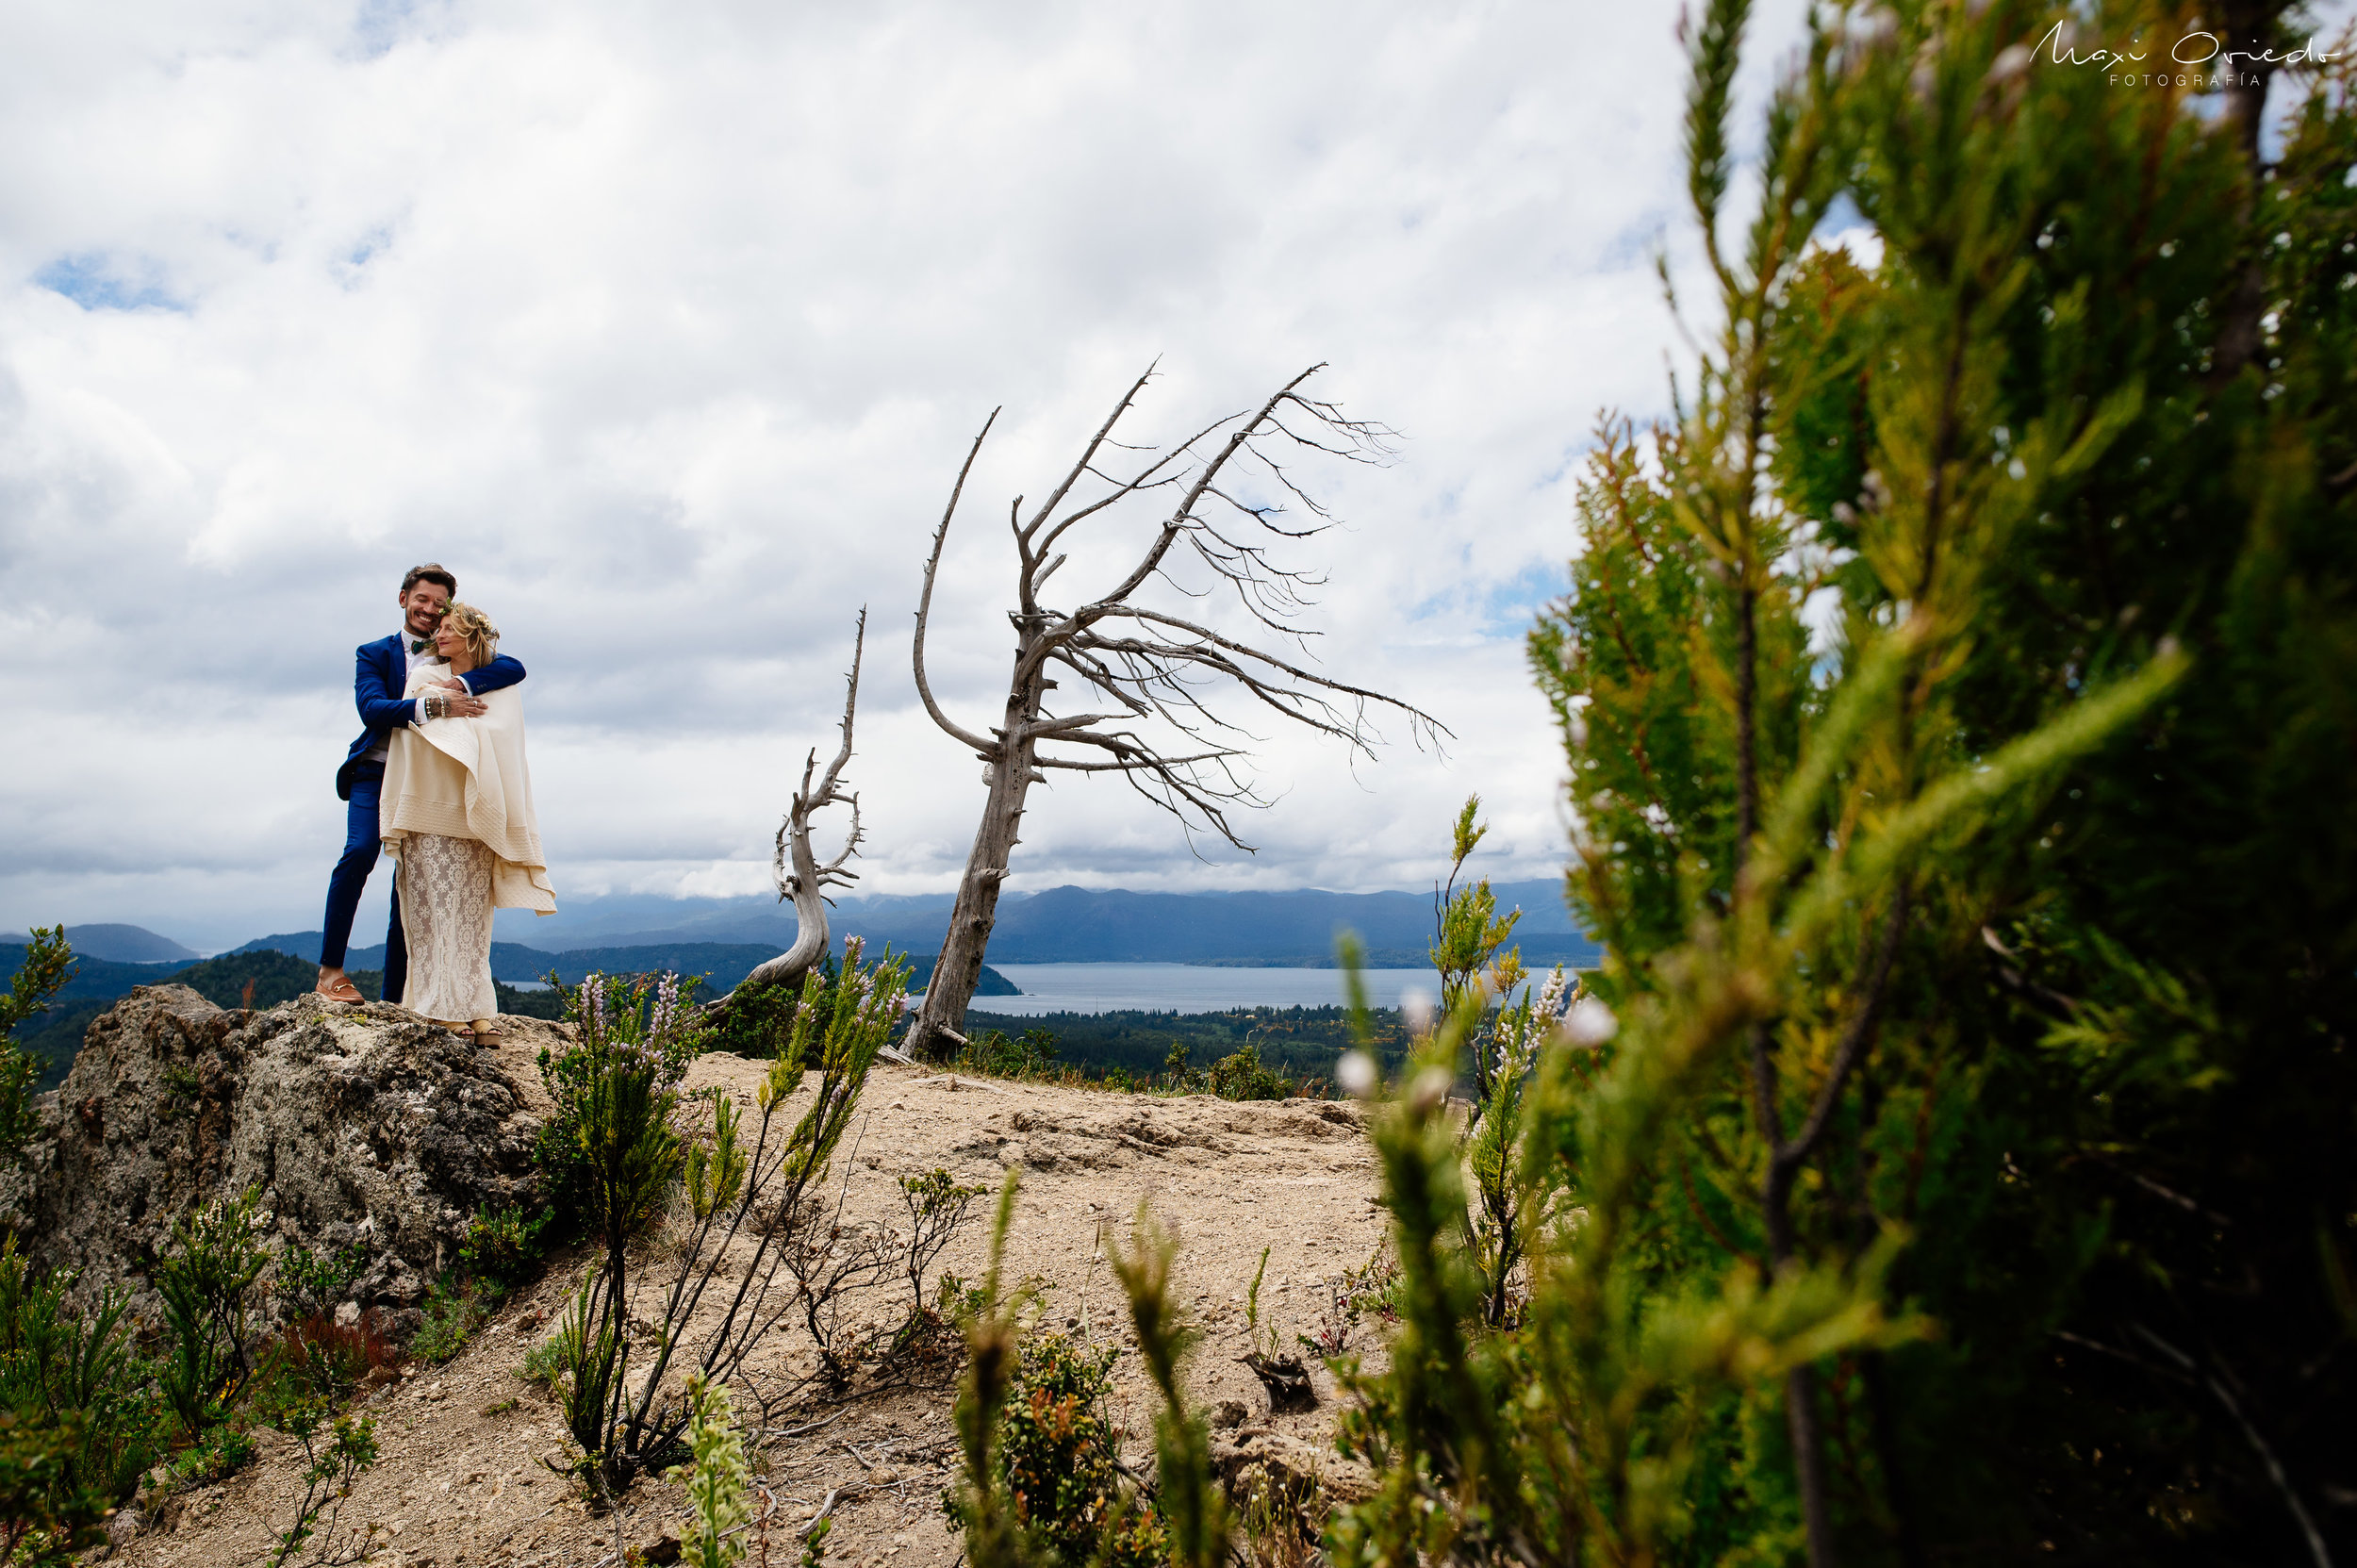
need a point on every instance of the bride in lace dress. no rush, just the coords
(456, 815)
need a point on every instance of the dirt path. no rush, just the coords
(461, 1480)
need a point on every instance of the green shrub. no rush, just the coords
(992, 1053)
(332, 1460)
(544, 1363)
(453, 1310)
(74, 1390)
(719, 1485)
(957, 1299)
(218, 1454)
(1952, 1164)
(758, 1023)
(45, 968)
(1175, 1069)
(311, 1284)
(506, 1246)
(42, 1517)
(641, 1029)
(612, 1154)
(1242, 1076)
(623, 1094)
(207, 1283)
(1374, 1285)
(1056, 1463)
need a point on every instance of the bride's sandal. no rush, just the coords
(487, 1033)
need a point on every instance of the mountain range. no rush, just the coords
(1081, 925)
(117, 945)
(1060, 925)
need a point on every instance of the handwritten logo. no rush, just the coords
(2203, 59)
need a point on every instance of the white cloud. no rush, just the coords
(668, 328)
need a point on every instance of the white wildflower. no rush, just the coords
(1429, 1089)
(1550, 1003)
(666, 1007)
(1356, 1074)
(1415, 1011)
(1590, 1023)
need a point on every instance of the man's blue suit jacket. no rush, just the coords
(383, 671)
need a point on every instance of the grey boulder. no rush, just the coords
(358, 1124)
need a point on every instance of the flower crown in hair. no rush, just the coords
(485, 624)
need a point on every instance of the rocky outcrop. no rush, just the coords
(358, 1124)
(1313, 1477)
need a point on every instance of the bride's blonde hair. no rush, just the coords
(482, 637)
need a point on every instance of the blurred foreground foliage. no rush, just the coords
(1950, 1162)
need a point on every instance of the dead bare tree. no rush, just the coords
(796, 869)
(1148, 664)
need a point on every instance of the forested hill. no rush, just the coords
(277, 970)
(721, 964)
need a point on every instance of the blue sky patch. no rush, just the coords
(95, 282)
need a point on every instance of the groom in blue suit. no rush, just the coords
(381, 676)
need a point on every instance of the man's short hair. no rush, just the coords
(433, 571)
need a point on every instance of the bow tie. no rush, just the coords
(419, 645)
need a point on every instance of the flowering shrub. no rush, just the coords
(1056, 1462)
(643, 1027)
(754, 1180)
(1506, 1206)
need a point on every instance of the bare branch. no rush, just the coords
(828, 794)
(1174, 784)
(1151, 477)
(833, 873)
(797, 869)
(925, 602)
(1088, 455)
(1203, 480)
(1419, 719)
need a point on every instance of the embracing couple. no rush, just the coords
(436, 780)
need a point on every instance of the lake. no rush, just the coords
(1186, 988)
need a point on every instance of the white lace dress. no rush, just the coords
(456, 810)
(446, 919)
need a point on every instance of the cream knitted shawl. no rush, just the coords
(466, 778)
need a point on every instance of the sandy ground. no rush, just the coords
(461, 1479)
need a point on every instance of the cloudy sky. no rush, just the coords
(666, 326)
